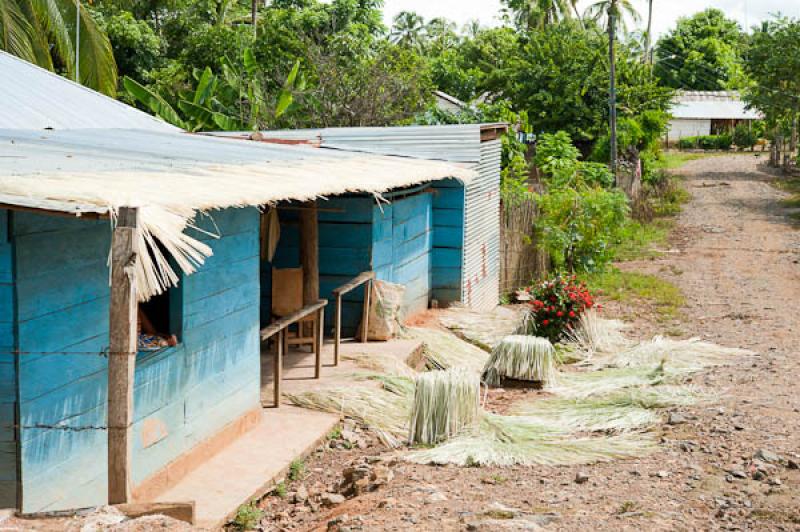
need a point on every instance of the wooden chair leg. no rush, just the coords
(277, 369)
(318, 329)
(337, 329)
(365, 318)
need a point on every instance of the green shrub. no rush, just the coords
(724, 141)
(744, 136)
(557, 158)
(595, 174)
(707, 142)
(578, 227)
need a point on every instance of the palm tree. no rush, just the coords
(540, 13)
(620, 8)
(408, 29)
(441, 31)
(472, 28)
(43, 32)
(648, 35)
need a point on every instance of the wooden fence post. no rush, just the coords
(122, 353)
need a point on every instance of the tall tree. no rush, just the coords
(530, 14)
(408, 30)
(441, 33)
(44, 32)
(648, 39)
(702, 52)
(773, 62)
(621, 9)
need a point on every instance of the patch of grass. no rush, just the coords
(296, 470)
(248, 517)
(630, 286)
(335, 434)
(627, 507)
(280, 490)
(670, 160)
(638, 240)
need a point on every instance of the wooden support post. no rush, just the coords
(277, 367)
(365, 318)
(337, 326)
(318, 338)
(122, 354)
(309, 253)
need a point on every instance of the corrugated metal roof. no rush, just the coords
(714, 105)
(456, 143)
(34, 98)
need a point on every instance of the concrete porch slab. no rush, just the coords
(250, 466)
(298, 365)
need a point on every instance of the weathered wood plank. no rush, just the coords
(309, 253)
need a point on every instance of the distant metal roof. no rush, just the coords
(451, 99)
(34, 98)
(713, 105)
(459, 143)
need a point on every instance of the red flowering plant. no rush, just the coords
(555, 305)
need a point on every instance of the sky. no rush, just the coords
(665, 12)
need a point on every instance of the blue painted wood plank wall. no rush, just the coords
(182, 395)
(448, 231)
(8, 376)
(345, 243)
(403, 241)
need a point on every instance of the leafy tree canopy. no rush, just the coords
(773, 63)
(703, 52)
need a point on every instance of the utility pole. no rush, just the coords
(77, 41)
(612, 115)
(254, 16)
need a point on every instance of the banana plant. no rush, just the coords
(234, 101)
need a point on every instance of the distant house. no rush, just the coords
(449, 103)
(697, 113)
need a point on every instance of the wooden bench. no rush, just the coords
(279, 327)
(362, 278)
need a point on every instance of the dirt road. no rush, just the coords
(735, 255)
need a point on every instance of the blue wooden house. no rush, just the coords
(60, 194)
(54, 294)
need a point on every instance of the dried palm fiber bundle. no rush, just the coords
(686, 355)
(442, 350)
(381, 363)
(446, 403)
(521, 357)
(517, 440)
(625, 409)
(484, 329)
(384, 409)
(594, 334)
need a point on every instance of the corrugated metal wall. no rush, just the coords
(481, 259)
